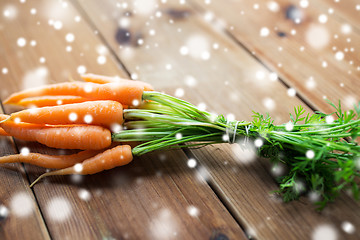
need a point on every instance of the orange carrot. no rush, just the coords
(102, 113)
(3, 133)
(94, 78)
(129, 93)
(114, 157)
(50, 161)
(67, 137)
(20, 130)
(45, 101)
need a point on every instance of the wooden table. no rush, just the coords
(230, 56)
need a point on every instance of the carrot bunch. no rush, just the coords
(80, 115)
(73, 115)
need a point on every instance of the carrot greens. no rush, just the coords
(321, 154)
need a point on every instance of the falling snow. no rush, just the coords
(277, 170)
(304, 3)
(84, 195)
(10, 12)
(58, 25)
(59, 209)
(198, 47)
(101, 60)
(81, 69)
(258, 142)
(310, 154)
(323, 18)
(179, 92)
(36, 77)
(163, 225)
(269, 103)
(178, 135)
(191, 163)
(78, 167)
(339, 55)
(24, 151)
(190, 81)
(69, 37)
(4, 212)
(289, 126)
(73, 116)
(88, 118)
(145, 7)
(21, 204)
(244, 151)
(264, 32)
(329, 119)
(310, 83)
(193, 211)
(273, 6)
(325, 231)
(317, 36)
(291, 92)
(348, 227)
(21, 42)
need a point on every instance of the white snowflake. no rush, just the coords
(317, 36)
(191, 163)
(163, 225)
(78, 167)
(348, 227)
(264, 32)
(193, 211)
(21, 204)
(244, 151)
(73, 116)
(35, 78)
(324, 231)
(69, 37)
(59, 209)
(21, 42)
(84, 195)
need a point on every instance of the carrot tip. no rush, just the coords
(40, 177)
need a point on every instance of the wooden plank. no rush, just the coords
(315, 58)
(156, 197)
(229, 78)
(347, 11)
(20, 216)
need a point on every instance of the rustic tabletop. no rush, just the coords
(228, 56)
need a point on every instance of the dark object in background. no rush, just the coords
(123, 36)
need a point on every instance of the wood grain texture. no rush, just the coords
(156, 197)
(22, 218)
(347, 12)
(304, 53)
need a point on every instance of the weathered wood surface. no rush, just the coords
(307, 47)
(156, 197)
(182, 49)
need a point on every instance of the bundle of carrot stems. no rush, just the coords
(320, 151)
